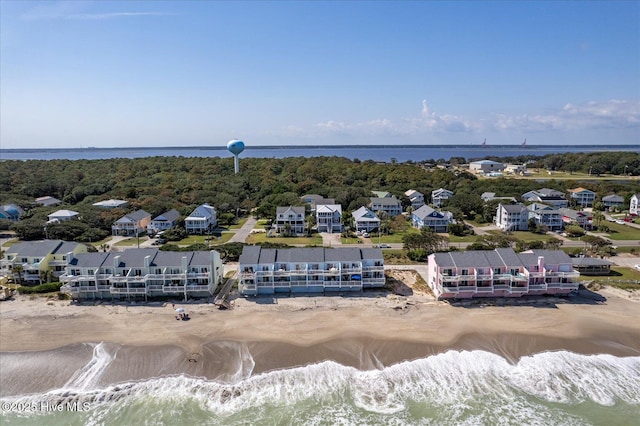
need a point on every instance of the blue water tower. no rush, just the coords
(235, 147)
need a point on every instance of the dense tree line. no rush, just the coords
(157, 184)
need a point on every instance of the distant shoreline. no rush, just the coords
(379, 146)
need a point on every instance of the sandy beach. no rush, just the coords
(36, 324)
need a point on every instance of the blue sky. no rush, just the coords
(109, 74)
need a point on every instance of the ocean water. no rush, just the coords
(453, 387)
(384, 153)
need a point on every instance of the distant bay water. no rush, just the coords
(383, 153)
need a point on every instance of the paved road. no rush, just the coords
(244, 231)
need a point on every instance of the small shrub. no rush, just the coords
(42, 288)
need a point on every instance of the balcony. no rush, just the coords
(197, 288)
(484, 290)
(537, 287)
(448, 278)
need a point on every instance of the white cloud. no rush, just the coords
(591, 115)
(427, 122)
(74, 10)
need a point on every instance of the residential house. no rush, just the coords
(314, 200)
(11, 212)
(383, 194)
(309, 270)
(142, 273)
(440, 195)
(582, 196)
(48, 201)
(612, 201)
(580, 218)
(112, 204)
(426, 216)
(490, 196)
(591, 265)
(555, 199)
(39, 260)
(290, 220)
(486, 166)
(546, 216)
(365, 220)
(512, 217)
(634, 205)
(131, 224)
(202, 220)
(329, 217)
(416, 198)
(390, 205)
(62, 215)
(501, 273)
(166, 220)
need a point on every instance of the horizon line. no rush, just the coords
(248, 147)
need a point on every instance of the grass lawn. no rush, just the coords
(261, 237)
(396, 257)
(465, 239)
(131, 241)
(238, 225)
(622, 278)
(622, 232)
(526, 236)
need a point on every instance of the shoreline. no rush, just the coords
(39, 325)
(59, 341)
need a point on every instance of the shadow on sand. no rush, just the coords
(582, 296)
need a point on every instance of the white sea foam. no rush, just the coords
(87, 376)
(463, 387)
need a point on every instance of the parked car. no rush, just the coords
(385, 246)
(637, 267)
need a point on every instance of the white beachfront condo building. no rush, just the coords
(309, 270)
(38, 260)
(142, 273)
(501, 273)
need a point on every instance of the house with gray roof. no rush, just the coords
(39, 260)
(439, 196)
(329, 218)
(512, 217)
(555, 199)
(166, 220)
(131, 224)
(112, 204)
(389, 205)
(365, 220)
(501, 273)
(202, 220)
(142, 273)
(290, 220)
(574, 217)
(427, 217)
(591, 265)
(62, 215)
(547, 216)
(47, 201)
(612, 201)
(416, 198)
(309, 270)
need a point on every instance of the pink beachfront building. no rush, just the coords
(501, 273)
